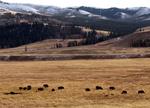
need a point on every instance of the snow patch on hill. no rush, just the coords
(143, 11)
(17, 7)
(84, 12)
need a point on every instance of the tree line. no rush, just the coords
(141, 43)
(24, 33)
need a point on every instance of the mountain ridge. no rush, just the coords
(112, 13)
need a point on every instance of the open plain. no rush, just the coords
(75, 76)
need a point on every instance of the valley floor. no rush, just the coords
(46, 47)
(124, 74)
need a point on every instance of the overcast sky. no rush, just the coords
(92, 3)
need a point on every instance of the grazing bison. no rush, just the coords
(99, 88)
(29, 87)
(11, 93)
(53, 89)
(24, 88)
(87, 89)
(40, 89)
(60, 88)
(124, 92)
(141, 92)
(112, 88)
(20, 88)
(45, 86)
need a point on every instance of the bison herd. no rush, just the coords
(46, 86)
(113, 88)
(29, 87)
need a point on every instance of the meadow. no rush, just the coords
(75, 76)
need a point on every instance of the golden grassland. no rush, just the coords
(125, 74)
(101, 32)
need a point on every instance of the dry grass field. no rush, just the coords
(101, 32)
(124, 74)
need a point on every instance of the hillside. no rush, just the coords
(115, 46)
(126, 41)
(112, 19)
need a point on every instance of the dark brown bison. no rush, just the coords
(61, 88)
(87, 89)
(141, 92)
(45, 85)
(124, 92)
(112, 88)
(99, 88)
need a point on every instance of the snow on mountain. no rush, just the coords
(97, 16)
(111, 13)
(143, 11)
(4, 11)
(73, 16)
(51, 10)
(140, 10)
(17, 7)
(134, 8)
(122, 15)
(84, 12)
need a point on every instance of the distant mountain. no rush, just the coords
(110, 13)
(111, 19)
(119, 14)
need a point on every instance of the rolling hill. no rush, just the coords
(120, 45)
(110, 13)
(126, 41)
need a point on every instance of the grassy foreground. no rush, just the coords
(127, 74)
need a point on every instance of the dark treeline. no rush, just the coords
(92, 38)
(141, 43)
(19, 34)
